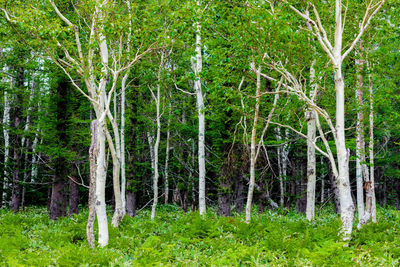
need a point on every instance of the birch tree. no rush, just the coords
(336, 55)
(197, 66)
(6, 134)
(96, 56)
(311, 161)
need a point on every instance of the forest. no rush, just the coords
(199, 133)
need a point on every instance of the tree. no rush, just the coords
(336, 56)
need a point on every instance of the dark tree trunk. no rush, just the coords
(397, 193)
(58, 203)
(16, 191)
(384, 191)
(185, 200)
(73, 196)
(132, 185)
(292, 191)
(17, 157)
(58, 199)
(239, 199)
(131, 203)
(48, 198)
(224, 207)
(23, 197)
(301, 201)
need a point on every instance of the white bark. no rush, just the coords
(157, 99)
(100, 203)
(118, 213)
(280, 168)
(166, 182)
(334, 52)
(285, 161)
(371, 150)
(253, 148)
(123, 100)
(346, 202)
(96, 77)
(311, 162)
(322, 190)
(34, 169)
(6, 133)
(197, 68)
(101, 106)
(122, 157)
(311, 172)
(360, 143)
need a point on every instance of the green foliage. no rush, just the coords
(175, 238)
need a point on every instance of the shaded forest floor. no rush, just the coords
(175, 238)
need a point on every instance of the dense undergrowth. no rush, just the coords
(175, 238)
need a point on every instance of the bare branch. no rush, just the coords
(186, 92)
(364, 25)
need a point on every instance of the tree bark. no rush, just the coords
(197, 66)
(280, 168)
(301, 191)
(253, 148)
(224, 207)
(92, 184)
(166, 182)
(6, 134)
(100, 204)
(16, 190)
(122, 158)
(58, 198)
(311, 161)
(73, 196)
(58, 203)
(371, 151)
(311, 170)
(335, 191)
(157, 142)
(131, 203)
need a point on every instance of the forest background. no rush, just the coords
(228, 105)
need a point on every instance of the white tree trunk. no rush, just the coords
(311, 172)
(166, 182)
(122, 158)
(157, 142)
(311, 162)
(123, 104)
(118, 213)
(285, 161)
(371, 150)
(280, 163)
(253, 148)
(197, 68)
(343, 181)
(334, 52)
(322, 190)
(360, 143)
(6, 133)
(34, 169)
(100, 203)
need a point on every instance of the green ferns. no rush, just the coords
(179, 239)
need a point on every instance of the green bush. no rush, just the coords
(178, 239)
